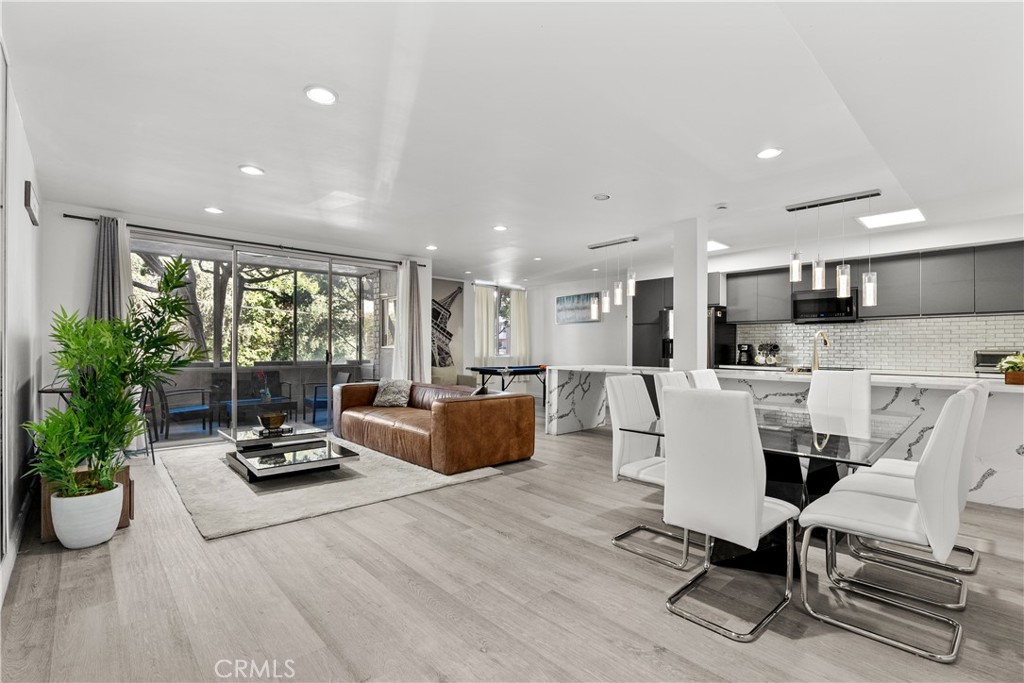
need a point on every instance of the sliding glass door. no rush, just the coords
(277, 329)
(283, 340)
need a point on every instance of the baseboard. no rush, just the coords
(14, 542)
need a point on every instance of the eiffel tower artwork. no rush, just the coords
(440, 337)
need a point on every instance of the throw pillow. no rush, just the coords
(393, 393)
(480, 391)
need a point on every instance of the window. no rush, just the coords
(288, 310)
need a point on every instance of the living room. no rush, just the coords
(430, 294)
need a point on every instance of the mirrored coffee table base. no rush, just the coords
(260, 463)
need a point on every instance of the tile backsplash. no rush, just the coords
(920, 344)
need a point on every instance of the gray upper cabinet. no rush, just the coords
(741, 293)
(999, 278)
(648, 302)
(764, 296)
(899, 286)
(774, 296)
(947, 282)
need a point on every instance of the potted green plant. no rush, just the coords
(105, 364)
(1012, 368)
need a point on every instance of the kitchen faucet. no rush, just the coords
(825, 342)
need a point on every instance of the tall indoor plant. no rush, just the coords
(106, 364)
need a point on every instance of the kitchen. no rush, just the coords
(944, 318)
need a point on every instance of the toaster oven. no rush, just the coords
(986, 361)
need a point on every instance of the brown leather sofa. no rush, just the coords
(443, 428)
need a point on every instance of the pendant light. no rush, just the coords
(818, 267)
(843, 269)
(796, 267)
(606, 298)
(594, 314)
(617, 285)
(631, 275)
(869, 279)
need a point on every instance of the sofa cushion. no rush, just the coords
(392, 393)
(401, 432)
(422, 396)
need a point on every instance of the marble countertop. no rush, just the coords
(952, 382)
(621, 369)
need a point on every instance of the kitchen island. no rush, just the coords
(576, 395)
(998, 470)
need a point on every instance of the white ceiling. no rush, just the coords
(456, 117)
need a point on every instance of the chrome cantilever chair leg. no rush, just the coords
(873, 551)
(672, 602)
(944, 657)
(620, 542)
(840, 580)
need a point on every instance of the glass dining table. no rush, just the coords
(831, 443)
(793, 430)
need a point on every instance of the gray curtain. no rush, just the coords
(417, 372)
(107, 297)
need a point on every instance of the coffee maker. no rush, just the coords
(744, 354)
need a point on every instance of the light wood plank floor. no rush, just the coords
(505, 579)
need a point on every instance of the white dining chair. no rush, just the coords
(930, 521)
(895, 478)
(668, 379)
(839, 402)
(634, 456)
(714, 484)
(704, 379)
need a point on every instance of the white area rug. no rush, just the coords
(223, 503)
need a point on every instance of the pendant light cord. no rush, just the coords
(818, 219)
(843, 239)
(869, 237)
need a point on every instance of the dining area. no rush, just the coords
(818, 488)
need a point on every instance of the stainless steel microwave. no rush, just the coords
(824, 306)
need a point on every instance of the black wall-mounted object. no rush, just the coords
(824, 306)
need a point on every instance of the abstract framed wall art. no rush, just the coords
(576, 308)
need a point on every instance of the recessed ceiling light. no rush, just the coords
(716, 246)
(500, 228)
(769, 153)
(595, 269)
(469, 272)
(526, 279)
(537, 258)
(601, 197)
(212, 209)
(250, 170)
(321, 95)
(431, 247)
(885, 220)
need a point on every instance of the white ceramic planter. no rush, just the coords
(85, 521)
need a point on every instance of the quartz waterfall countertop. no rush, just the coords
(880, 378)
(620, 369)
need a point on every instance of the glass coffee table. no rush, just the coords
(262, 454)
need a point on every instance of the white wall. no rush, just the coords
(22, 339)
(604, 342)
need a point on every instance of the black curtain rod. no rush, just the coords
(246, 242)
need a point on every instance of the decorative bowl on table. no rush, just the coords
(271, 420)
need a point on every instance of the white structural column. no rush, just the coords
(690, 294)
